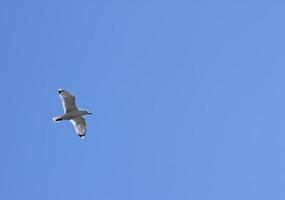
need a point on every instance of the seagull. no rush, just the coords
(72, 113)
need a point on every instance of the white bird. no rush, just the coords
(72, 113)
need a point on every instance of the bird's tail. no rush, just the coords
(57, 119)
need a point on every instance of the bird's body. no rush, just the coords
(72, 113)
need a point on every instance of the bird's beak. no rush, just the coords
(89, 113)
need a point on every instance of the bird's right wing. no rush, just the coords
(68, 101)
(79, 125)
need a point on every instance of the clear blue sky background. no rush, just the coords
(188, 99)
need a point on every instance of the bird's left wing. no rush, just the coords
(68, 101)
(79, 124)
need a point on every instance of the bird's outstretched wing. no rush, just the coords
(80, 126)
(68, 101)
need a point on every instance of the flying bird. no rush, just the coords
(72, 113)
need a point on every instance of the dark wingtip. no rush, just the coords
(81, 136)
(60, 91)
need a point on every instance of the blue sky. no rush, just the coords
(187, 99)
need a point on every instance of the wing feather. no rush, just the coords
(79, 124)
(68, 101)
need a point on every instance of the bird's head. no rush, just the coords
(86, 112)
